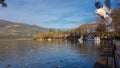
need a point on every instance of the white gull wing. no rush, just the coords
(107, 6)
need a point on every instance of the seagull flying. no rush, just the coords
(104, 11)
(3, 3)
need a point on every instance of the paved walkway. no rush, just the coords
(117, 52)
(110, 56)
(106, 57)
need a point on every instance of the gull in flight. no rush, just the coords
(3, 3)
(104, 11)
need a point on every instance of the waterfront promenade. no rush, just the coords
(117, 53)
(110, 56)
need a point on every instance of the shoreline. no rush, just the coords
(19, 39)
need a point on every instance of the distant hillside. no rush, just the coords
(85, 28)
(10, 29)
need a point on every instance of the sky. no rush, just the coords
(58, 14)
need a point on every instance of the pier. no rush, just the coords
(110, 56)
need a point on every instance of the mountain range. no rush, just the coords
(9, 29)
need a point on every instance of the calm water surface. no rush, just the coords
(47, 54)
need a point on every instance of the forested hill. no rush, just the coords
(10, 29)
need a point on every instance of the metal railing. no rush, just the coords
(115, 57)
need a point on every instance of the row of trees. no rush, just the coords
(54, 34)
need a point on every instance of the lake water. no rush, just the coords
(47, 54)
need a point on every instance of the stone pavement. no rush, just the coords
(106, 58)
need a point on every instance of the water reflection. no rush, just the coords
(47, 54)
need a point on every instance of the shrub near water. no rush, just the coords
(57, 34)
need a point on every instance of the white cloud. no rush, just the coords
(50, 13)
(73, 19)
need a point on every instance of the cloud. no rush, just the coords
(49, 13)
(73, 19)
(63, 25)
